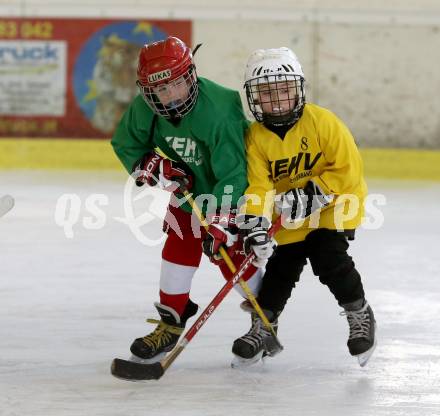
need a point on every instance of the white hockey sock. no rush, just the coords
(254, 283)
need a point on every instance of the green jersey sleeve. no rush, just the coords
(228, 159)
(131, 138)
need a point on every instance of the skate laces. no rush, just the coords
(258, 330)
(254, 336)
(256, 327)
(162, 335)
(359, 322)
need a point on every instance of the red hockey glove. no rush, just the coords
(222, 232)
(155, 170)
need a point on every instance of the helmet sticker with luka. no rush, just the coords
(159, 76)
(167, 78)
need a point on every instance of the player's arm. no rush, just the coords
(345, 168)
(343, 174)
(255, 216)
(156, 169)
(300, 203)
(133, 143)
(227, 150)
(130, 140)
(260, 191)
(228, 164)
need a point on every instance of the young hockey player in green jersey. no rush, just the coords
(307, 157)
(184, 130)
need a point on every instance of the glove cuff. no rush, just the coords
(224, 217)
(246, 223)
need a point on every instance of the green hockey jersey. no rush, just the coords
(209, 139)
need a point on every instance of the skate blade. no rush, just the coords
(155, 359)
(240, 362)
(365, 356)
(272, 347)
(6, 204)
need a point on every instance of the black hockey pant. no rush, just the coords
(327, 253)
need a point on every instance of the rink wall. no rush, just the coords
(98, 155)
(374, 64)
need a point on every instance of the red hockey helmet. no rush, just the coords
(167, 77)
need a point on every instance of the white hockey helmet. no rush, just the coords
(275, 67)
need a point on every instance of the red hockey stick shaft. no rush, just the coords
(204, 316)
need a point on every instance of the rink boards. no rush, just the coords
(97, 154)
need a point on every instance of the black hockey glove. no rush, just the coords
(299, 203)
(254, 232)
(156, 170)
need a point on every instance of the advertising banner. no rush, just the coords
(72, 78)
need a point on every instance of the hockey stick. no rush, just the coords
(6, 204)
(226, 257)
(233, 269)
(130, 370)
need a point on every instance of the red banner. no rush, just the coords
(72, 78)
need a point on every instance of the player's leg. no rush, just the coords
(327, 251)
(252, 276)
(283, 271)
(181, 257)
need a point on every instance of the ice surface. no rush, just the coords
(69, 306)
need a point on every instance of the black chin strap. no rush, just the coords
(196, 48)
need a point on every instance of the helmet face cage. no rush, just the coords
(283, 94)
(178, 108)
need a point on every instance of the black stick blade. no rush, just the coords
(129, 370)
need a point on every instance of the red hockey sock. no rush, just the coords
(177, 302)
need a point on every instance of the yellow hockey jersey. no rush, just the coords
(318, 147)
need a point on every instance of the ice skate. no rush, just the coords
(362, 339)
(154, 346)
(257, 343)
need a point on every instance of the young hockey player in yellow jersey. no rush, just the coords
(303, 163)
